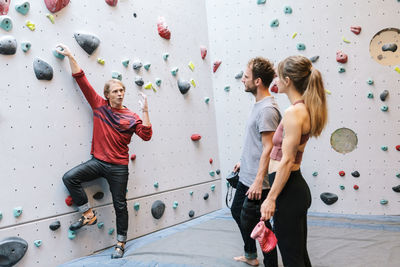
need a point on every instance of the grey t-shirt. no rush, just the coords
(264, 117)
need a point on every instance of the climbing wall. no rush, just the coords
(46, 125)
(240, 30)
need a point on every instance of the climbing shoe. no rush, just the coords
(118, 252)
(82, 222)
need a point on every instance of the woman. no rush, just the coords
(289, 197)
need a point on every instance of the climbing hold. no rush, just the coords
(398, 147)
(341, 187)
(56, 5)
(384, 108)
(148, 86)
(1, 215)
(30, 25)
(158, 82)
(4, 6)
(370, 95)
(125, 62)
(23, 8)
(133, 157)
(294, 35)
(288, 10)
(157, 209)
(261, 2)
(342, 173)
(136, 206)
(396, 189)
(370, 81)
(191, 65)
(12, 249)
(217, 171)
(274, 88)
(100, 225)
(345, 40)
(162, 28)
(88, 42)
(17, 212)
(57, 54)
(216, 65)
(175, 205)
(355, 174)
(191, 193)
(54, 225)
(315, 174)
(37, 243)
(165, 56)
(139, 81)
(212, 187)
(25, 46)
(71, 234)
(116, 75)
(112, 2)
(355, 29)
(355, 187)
(207, 100)
(389, 47)
(174, 71)
(43, 70)
(69, 201)
(101, 61)
(384, 201)
(227, 88)
(147, 66)
(205, 197)
(191, 213)
(195, 137)
(384, 95)
(155, 184)
(239, 75)
(274, 23)
(183, 86)
(111, 231)
(136, 65)
(328, 198)
(328, 92)
(341, 57)
(314, 59)
(211, 160)
(50, 17)
(398, 175)
(203, 52)
(384, 148)
(99, 195)
(301, 46)
(211, 173)
(341, 69)
(6, 23)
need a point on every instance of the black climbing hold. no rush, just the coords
(191, 213)
(139, 81)
(396, 188)
(184, 86)
(205, 196)
(355, 174)
(218, 171)
(384, 95)
(8, 45)
(12, 250)
(157, 209)
(87, 41)
(329, 198)
(389, 47)
(43, 70)
(134, 15)
(55, 225)
(98, 195)
(314, 59)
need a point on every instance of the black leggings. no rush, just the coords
(290, 220)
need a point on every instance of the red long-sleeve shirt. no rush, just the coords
(112, 128)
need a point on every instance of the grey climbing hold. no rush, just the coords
(71, 234)
(288, 10)
(116, 75)
(206, 195)
(191, 213)
(8, 45)
(314, 59)
(99, 195)
(239, 75)
(396, 189)
(301, 46)
(384, 95)
(100, 225)
(88, 42)
(37, 243)
(355, 174)
(12, 250)
(54, 225)
(136, 65)
(17, 211)
(23, 8)
(183, 86)
(329, 198)
(139, 81)
(389, 47)
(157, 209)
(25, 46)
(6, 23)
(43, 70)
(274, 23)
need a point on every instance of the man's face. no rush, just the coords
(116, 95)
(247, 79)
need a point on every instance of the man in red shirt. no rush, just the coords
(113, 127)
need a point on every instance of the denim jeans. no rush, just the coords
(247, 214)
(117, 178)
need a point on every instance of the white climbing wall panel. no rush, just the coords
(240, 30)
(46, 126)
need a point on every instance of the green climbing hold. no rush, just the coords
(125, 62)
(370, 81)
(155, 185)
(207, 100)
(227, 88)
(147, 66)
(100, 225)
(17, 212)
(315, 174)
(37, 243)
(288, 10)
(384, 201)
(384, 148)
(111, 231)
(341, 187)
(261, 2)
(213, 187)
(158, 82)
(212, 173)
(341, 70)
(101, 61)
(274, 23)
(175, 205)
(165, 56)
(174, 71)
(57, 54)
(191, 193)
(23, 8)
(370, 95)
(25, 46)
(136, 206)
(71, 234)
(301, 46)
(6, 23)
(116, 75)
(384, 108)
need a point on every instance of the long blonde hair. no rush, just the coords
(308, 82)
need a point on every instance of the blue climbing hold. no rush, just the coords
(136, 206)
(100, 225)
(301, 46)
(165, 56)
(213, 187)
(38, 243)
(175, 205)
(261, 2)
(23, 8)
(155, 185)
(71, 234)
(398, 175)
(384, 201)
(1, 215)
(125, 62)
(207, 100)
(212, 173)
(341, 69)
(25, 46)
(191, 193)
(341, 187)
(17, 211)
(116, 75)
(370, 95)
(158, 82)
(227, 88)
(288, 10)
(384, 108)
(111, 231)
(147, 66)
(384, 148)
(6, 23)
(274, 23)
(57, 54)
(315, 174)
(370, 81)
(174, 71)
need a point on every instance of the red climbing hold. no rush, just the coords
(211, 160)
(342, 173)
(355, 29)
(274, 88)
(195, 137)
(133, 157)
(163, 30)
(69, 201)
(203, 52)
(4, 6)
(398, 147)
(355, 187)
(112, 2)
(216, 65)
(56, 5)
(341, 57)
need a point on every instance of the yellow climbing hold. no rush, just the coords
(148, 86)
(30, 25)
(345, 40)
(397, 69)
(50, 17)
(193, 82)
(294, 35)
(100, 61)
(191, 65)
(328, 92)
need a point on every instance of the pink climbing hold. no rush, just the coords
(69, 201)
(341, 57)
(4, 6)
(162, 28)
(342, 173)
(56, 5)
(216, 65)
(133, 157)
(355, 29)
(203, 51)
(211, 160)
(274, 88)
(112, 2)
(398, 147)
(195, 137)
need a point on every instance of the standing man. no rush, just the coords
(113, 127)
(253, 185)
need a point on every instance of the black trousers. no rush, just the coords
(290, 220)
(117, 178)
(247, 214)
